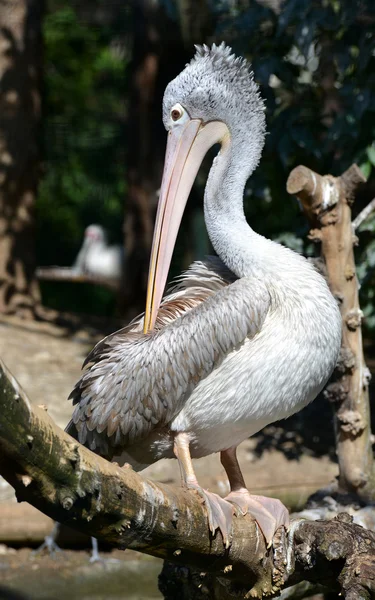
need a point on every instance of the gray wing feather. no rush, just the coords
(138, 382)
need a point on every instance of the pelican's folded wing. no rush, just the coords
(139, 382)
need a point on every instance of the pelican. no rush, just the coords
(243, 339)
(97, 258)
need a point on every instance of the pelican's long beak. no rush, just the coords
(186, 147)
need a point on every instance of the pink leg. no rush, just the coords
(219, 511)
(269, 513)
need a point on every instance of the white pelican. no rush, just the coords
(244, 339)
(96, 257)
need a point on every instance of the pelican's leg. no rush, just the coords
(219, 511)
(95, 556)
(49, 543)
(269, 513)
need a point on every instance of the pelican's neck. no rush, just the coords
(237, 244)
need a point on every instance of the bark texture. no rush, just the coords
(78, 488)
(20, 60)
(327, 203)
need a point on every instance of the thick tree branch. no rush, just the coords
(327, 204)
(76, 487)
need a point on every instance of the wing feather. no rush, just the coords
(138, 382)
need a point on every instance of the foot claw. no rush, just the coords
(269, 513)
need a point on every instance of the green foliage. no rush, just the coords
(83, 143)
(315, 63)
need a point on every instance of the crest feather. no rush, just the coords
(222, 57)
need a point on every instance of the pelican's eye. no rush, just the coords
(177, 112)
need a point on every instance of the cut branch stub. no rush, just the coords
(350, 180)
(317, 194)
(326, 201)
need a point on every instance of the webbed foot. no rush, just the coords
(269, 513)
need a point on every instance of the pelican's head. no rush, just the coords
(215, 86)
(213, 100)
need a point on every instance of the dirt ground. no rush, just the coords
(283, 462)
(70, 575)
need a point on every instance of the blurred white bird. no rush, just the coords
(97, 258)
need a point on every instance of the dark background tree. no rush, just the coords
(20, 72)
(153, 65)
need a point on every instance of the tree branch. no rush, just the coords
(76, 487)
(363, 215)
(327, 204)
(69, 274)
(71, 484)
